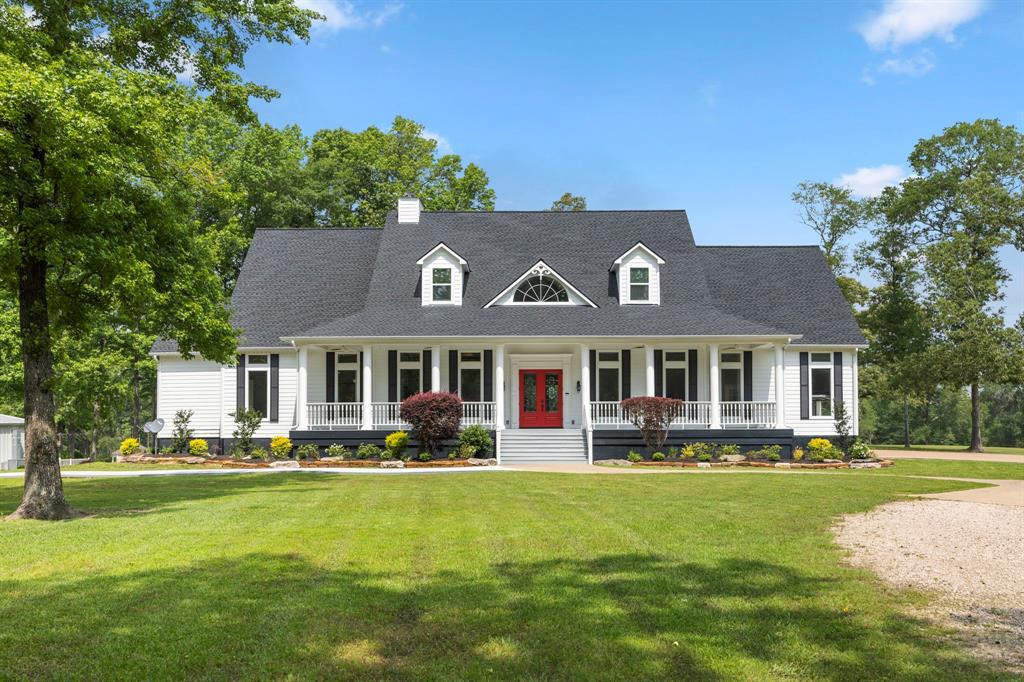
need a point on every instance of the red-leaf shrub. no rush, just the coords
(652, 415)
(434, 418)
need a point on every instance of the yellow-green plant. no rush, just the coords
(820, 448)
(281, 447)
(198, 447)
(396, 442)
(129, 446)
(798, 454)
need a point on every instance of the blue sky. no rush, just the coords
(720, 109)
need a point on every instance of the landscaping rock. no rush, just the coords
(865, 460)
(703, 465)
(332, 459)
(832, 461)
(477, 462)
(285, 464)
(392, 464)
(615, 462)
(734, 458)
(191, 460)
(783, 465)
(865, 465)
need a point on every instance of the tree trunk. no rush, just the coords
(136, 403)
(975, 419)
(906, 423)
(43, 497)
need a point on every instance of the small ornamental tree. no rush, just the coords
(182, 432)
(652, 415)
(246, 423)
(434, 418)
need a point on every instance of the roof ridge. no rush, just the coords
(596, 210)
(758, 246)
(318, 229)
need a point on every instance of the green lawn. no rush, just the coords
(944, 467)
(136, 466)
(460, 576)
(990, 449)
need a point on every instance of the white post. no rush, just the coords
(780, 387)
(854, 399)
(499, 388)
(435, 368)
(716, 407)
(585, 383)
(367, 422)
(300, 403)
(649, 382)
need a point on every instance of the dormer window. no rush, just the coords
(639, 284)
(541, 289)
(638, 276)
(541, 285)
(442, 284)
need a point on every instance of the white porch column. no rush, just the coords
(780, 387)
(300, 404)
(499, 388)
(855, 394)
(367, 373)
(585, 383)
(714, 376)
(649, 381)
(435, 368)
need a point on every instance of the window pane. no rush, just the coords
(638, 292)
(551, 393)
(408, 383)
(470, 384)
(612, 356)
(529, 393)
(639, 275)
(675, 356)
(442, 292)
(675, 383)
(471, 356)
(821, 357)
(257, 359)
(821, 407)
(347, 359)
(608, 383)
(409, 357)
(731, 357)
(821, 381)
(347, 386)
(258, 392)
(442, 276)
(731, 385)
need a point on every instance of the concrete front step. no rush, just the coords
(543, 445)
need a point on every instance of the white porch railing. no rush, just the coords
(385, 416)
(478, 414)
(334, 415)
(692, 414)
(751, 413)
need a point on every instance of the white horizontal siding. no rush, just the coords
(441, 258)
(764, 367)
(189, 385)
(815, 427)
(640, 258)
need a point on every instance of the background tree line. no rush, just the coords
(943, 366)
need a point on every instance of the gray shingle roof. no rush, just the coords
(349, 283)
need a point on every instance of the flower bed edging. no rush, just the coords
(775, 465)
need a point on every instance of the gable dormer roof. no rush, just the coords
(441, 246)
(639, 245)
(541, 269)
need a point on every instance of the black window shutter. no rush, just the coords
(805, 398)
(425, 384)
(626, 373)
(659, 358)
(240, 384)
(691, 373)
(748, 375)
(330, 377)
(392, 376)
(275, 387)
(488, 375)
(593, 374)
(453, 371)
(837, 377)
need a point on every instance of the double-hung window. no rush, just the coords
(821, 384)
(471, 374)
(608, 385)
(409, 368)
(441, 283)
(675, 367)
(347, 386)
(257, 384)
(639, 284)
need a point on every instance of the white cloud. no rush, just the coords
(869, 182)
(443, 145)
(917, 65)
(901, 22)
(342, 14)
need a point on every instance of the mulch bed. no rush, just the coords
(776, 465)
(347, 464)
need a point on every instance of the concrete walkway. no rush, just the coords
(958, 456)
(1002, 492)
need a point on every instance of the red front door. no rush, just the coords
(540, 398)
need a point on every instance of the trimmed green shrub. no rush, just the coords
(658, 457)
(258, 453)
(281, 447)
(860, 450)
(673, 453)
(634, 456)
(338, 450)
(425, 457)
(730, 449)
(367, 451)
(307, 451)
(773, 453)
(462, 451)
(479, 438)
(395, 443)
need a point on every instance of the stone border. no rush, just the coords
(854, 464)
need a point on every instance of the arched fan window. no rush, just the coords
(541, 289)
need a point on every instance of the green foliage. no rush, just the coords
(479, 438)
(798, 454)
(728, 449)
(569, 202)
(338, 450)
(833, 214)
(246, 423)
(425, 457)
(673, 453)
(367, 451)
(773, 453)
(844, 429)
(182, 434)
(307, 451)
(281, 447)
(258, 452)
(129, 446)
(197, 447)
(658, 457)
(821, 448)
(395, 443)
(634, 456)
(860, 450)
(462, 451)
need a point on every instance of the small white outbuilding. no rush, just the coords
(12, 442)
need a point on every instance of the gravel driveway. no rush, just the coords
(971, 555)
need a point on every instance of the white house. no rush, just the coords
(541, 321)
(12, 442)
